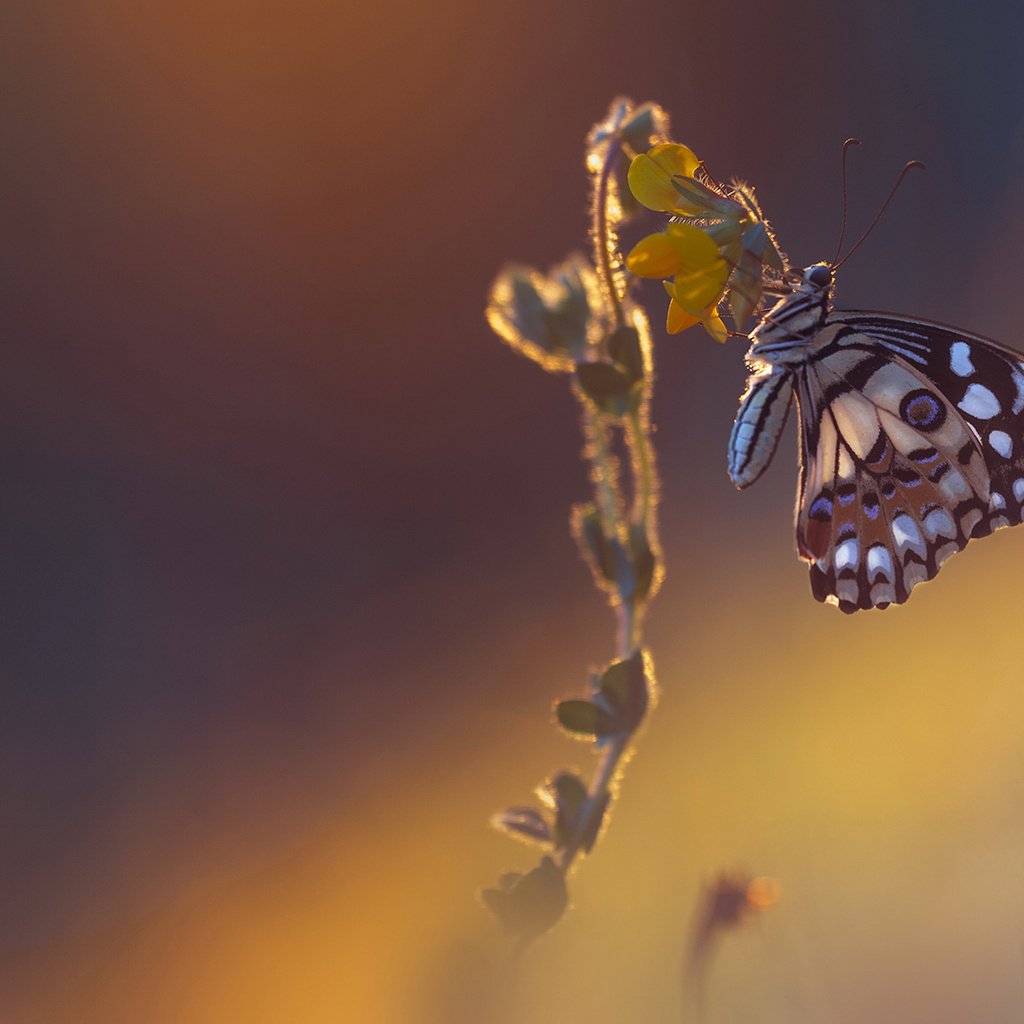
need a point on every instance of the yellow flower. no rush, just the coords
(652, 177)
(679, 318)
(699, 274)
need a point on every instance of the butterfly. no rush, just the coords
(911, 439)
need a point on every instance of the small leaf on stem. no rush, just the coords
(624, 686)
(585, 718)
(596, 549)
(528, 905)
(524, 822)
(608, 386)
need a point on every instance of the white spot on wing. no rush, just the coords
(996, 501)
(960, 359)
(979, 402)
(1018, 402)
(905, 532)
(914, 574)
(1018, 488)
(879, 560)
(954, 486)
(939, 522)
(1001, 442)
(846, 555)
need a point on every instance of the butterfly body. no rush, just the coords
(911, 439)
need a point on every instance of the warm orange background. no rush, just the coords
(285, 584)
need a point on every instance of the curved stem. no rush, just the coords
(600, 786)
(605, 239)
(627, 637)
(603, 469)
(642, 464)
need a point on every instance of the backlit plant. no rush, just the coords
(581, 319)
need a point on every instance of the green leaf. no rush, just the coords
(725, 231)
(645, 126)
(698, 194)
(569, 789)
(510, 880)
(645, 562)
(526, 308)
(773, 257)
(608, 387)
(745, 287)
(570, 295)
(585, 523)
(731, 253)
(548, 319)
(744, 291)
(601, 381)
(611, 562)
(627, 353)
(755, 240)
(578, 821)
(585, 718)
(621, 678)
(745, 284)
(624, 686)
(525, 822)
(625, 573)
(569, 795)
(532, 903)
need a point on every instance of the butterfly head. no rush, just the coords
(818, 277)
(788, 329)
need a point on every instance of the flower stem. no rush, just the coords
(627, 519)
(627, 635)
(638, 441)
(600, 786)
(604, 234)
(604, 470)
(607, 490)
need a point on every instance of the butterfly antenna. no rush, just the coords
(878, 216)
(842, 228)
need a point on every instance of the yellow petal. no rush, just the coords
(714, 326)
(674, 158)
(656, 256)
(697, 291)
(678, 319)
(696, 249)
(651, 173)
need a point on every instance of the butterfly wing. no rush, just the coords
(912, 439)
(764, 409)
(983, 379)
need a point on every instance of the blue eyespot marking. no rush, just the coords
(907, 477)
(923, 410)
(821, 508)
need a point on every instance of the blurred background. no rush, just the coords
(286, 589)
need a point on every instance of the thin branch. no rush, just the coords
(605, 236)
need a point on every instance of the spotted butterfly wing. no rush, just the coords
(911, 437)
(913, 445)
